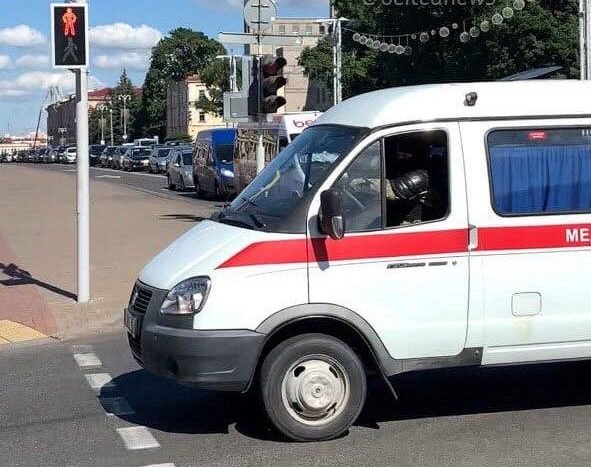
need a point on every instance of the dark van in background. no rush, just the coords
(213, 167)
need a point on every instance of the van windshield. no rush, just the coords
(276, 191)
(224, 153)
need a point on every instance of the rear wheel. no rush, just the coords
(182, 184)
(171, 186)
(313, 387)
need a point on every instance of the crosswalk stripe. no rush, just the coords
(87, 360)
(100, 381)
(137, 437)
(116, 406)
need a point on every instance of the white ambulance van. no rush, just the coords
(280, 131)
(407, 229)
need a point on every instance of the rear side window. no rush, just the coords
(540, 171)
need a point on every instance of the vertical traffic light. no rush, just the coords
(262, 95)
(273, 81)
(69, 25)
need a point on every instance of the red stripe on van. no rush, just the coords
(351, 248)
(530, 238)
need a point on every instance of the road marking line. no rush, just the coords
(16, 332)
(86, 360)
(170, 464)
(100, 381)
(137, 437)
(116, 406)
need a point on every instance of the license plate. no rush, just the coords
(131, 323)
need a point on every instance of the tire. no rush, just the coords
(171, 186)
(218, 192)
(182, 184)
(296, 367)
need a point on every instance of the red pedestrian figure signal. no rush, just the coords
(69, 26)
(69, 20)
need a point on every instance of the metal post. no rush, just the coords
(582, 41)
(101, 108)
(339, 62)
(260, 151)
(587, 19)
(335, 83)
(83, 187)
(125, 98)
(112, 135)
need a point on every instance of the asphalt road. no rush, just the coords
(143, 181)
(519, 416)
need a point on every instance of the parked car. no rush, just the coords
(158, 159)
(137, 158)
(61, 153)
(213, 166)
(71, 155)
(180, 170)
(94, 153)
(49, 156)
(117, 162)
(106, 158)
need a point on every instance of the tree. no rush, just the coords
(182, 53)
(216, 76)
(132, 106)
(542, 34)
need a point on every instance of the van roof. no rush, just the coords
(447, 101)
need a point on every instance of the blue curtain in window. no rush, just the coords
(541, 179)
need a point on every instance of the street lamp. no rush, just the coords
(101, 108)
(112, 135)
(62, 131)
(125, 98)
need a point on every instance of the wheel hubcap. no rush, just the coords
(315, 390)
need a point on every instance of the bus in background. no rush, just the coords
(213, 171)
(278, 133)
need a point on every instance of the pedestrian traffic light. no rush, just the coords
(69, 34)
(262, 96)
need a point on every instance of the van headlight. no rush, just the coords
(187, 298)
(227, 173)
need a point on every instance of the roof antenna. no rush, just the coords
(471, 99)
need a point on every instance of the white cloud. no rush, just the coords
(27, 83)
(5, 62)
(135, 61)
(124, 36)
(32, 61)
(239, 4)
(21, 36)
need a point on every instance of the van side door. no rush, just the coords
(402, 265)
(529, 185)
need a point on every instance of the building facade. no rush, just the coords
(61, 116)
(182, 115)
(10, 144)
(301, 93)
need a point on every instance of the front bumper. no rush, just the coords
(223, 360)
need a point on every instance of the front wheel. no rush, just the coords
(313, 387)
(171, 186)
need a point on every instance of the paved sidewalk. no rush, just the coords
(38, 248)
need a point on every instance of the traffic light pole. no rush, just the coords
(83, 187)
(260, 152)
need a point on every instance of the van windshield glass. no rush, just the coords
(277, 190)
(225, 153)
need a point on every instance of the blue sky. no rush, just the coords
(122, 32)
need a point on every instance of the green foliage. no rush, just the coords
(543, 34)
(180, 54)
(216, 75)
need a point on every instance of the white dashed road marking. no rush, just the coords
(116, 406)
(137, 437)
(170, 464)
(86, 360)
(100, 381)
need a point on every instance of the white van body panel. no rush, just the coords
(512, 325)
(205, 251)
(406, 306)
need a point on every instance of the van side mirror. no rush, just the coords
(332, 220)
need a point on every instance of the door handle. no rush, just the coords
(472, 237)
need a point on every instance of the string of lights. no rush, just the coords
(399, 44)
